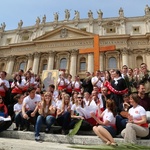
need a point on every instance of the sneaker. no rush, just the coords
(37, 138)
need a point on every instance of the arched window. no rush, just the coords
(82, 64)
(63, 63)
(112, 63)
(22, 66)
(139, 60)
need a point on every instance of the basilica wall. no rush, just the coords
(57, 44)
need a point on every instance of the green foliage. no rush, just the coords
(76, 128)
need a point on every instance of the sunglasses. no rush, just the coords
(80, 97)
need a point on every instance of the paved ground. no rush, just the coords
(18, 144)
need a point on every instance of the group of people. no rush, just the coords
(112, 103)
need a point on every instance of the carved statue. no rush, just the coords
(100, 14)
(76, 15)
(44, 19)
(147, 10)
(90, 14)
(56, 17)
(38, 20)
(20, 24)
(121, 13)
(3, 26)
(67, 14)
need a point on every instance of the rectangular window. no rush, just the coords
(44, 67)
(82, 66)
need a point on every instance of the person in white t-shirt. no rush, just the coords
(4, 86)
(98, 80)
(17, 110)
(137, 122)
(107, 129)
(76, 84)
(32, 101)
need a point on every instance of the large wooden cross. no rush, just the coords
(96, 50)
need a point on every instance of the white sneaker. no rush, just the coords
(37, 138)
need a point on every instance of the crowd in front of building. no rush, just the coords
(112, 103)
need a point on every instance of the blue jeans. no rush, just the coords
(64, 120)
(19, 120)
(48, 121)
(120, 123)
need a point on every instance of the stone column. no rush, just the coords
(131, 59)
(30, 62)
(73, 64)
(101, 57)
(148, 58)
(50, 65)
(90, 66)
(125, 57)
(10, 65)
(36, 62)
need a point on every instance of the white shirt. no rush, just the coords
(137, 112)
(62, 82)
(17, 107)
(6, 84)
(99, 84)
(109, 117)
(32, 102)
(76, 84)
(60, 107)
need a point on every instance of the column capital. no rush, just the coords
(11, 57)
(124, 51)
(30, 56)
(147, 51)
(51, 53)
(74, 52)
(37, 54)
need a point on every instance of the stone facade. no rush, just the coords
(56, 44)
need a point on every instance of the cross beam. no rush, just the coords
(96, 50)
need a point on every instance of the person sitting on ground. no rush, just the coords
(17, 110)
(46, 109)
(137, 122)
(78, 112)
(122, 117)
(32, 101)
(4, 124)
(144, 100)
(64, 114)
(107, 129)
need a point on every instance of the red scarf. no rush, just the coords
(108, 85)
